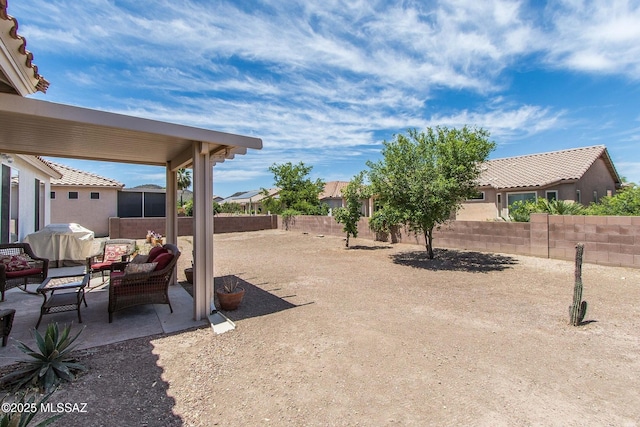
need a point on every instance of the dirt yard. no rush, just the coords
(376, 335)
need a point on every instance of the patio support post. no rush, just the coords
(171, 209)
(202, 230)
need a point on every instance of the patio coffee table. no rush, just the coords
(63, 301)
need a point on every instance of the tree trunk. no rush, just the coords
(347, 244)
(428, 238)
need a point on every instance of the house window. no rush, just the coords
(73, 194)
(95, 195)
(578, 197)
(52, 195)
(552, 195)
(609, 193)
(595, 197)
(478, 196)
(523, 197)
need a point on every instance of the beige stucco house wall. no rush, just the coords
(84, 198)
(91, 209)
(581, 175)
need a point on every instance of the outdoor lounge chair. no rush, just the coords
(115, 250)
(130, 285)
(19, 267)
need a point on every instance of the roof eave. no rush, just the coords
(16, 61)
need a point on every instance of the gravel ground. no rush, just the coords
(377, 335)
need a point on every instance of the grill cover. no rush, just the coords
(63, 244)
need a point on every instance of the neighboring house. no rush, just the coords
(24, 205)
(251, 201)
(84, 198)
(332, 196)
(581, 175)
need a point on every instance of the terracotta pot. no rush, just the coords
(188, 272)
(229, 301)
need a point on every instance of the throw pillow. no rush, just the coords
(140, 259)
(163, 260)
(155, 251)
(146, 267)
(14, 262)
(115, 252)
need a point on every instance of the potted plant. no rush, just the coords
(230, 296)
(188, 273)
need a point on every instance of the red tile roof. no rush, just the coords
(42, 84)
(539, 170)
(76, 177)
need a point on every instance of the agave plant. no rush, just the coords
(51, 362)
(25, 418)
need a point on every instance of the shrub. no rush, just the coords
(50, 363)
(24, 418)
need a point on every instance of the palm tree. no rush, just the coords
(184, 181)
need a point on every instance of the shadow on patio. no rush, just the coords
(257, 301)
(453, 260)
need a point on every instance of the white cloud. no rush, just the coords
(596, 36)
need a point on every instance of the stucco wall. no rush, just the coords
(25, 205)
(596, 178)
(90, 213)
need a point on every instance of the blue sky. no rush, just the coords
(326, 82)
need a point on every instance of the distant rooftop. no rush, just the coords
(71, 176)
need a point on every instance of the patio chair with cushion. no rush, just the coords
(19, 267)
(132, 284)
(115, 250)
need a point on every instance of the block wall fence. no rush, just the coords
(608, 240)
(136, 228)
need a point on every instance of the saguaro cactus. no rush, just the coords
(579, 308)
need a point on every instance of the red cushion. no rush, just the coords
(163, 260)
(155, 251)
(22, 273)
(99, 266)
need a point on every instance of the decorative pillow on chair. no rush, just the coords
(155, 251)
(14, 262)
(163, 260)
(115, 252)
(146, 267)
(140, 259)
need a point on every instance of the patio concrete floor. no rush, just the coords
(134, 322)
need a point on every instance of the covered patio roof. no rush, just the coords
(35, 127)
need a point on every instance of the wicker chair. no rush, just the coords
(128, 289)
(114, 250)
(35, 272)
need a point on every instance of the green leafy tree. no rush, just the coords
(427, 175)
(184, 181)
(349, 216)
(297, 191)
(626, 202)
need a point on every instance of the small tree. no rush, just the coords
(297, 191)
(353, 194)
(427, 175)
